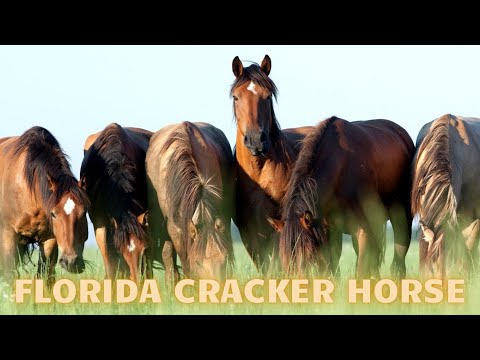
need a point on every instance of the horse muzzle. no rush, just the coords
(257, 144)
(72, 263)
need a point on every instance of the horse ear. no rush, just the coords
(51, 185)
(276, 224)
(267, 64)
(143, 218)
(82, 183)
(192, 230)
(307, 220)
(237, 67)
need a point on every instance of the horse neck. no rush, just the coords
(272, 171)
(207, 165)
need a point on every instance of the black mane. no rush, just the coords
(115, 181)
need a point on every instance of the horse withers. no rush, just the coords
(264, 158)
(113, 175)
(350, 177)
(42, 203)
(446, 195)
(190, 199)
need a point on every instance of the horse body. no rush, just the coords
(264, 157)
(190, 198)
(113, 175)
(350, 177)
(446, 194)
(40, 202)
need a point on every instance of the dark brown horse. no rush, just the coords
(190, 199)
(113, 175)
(350, 177)
(446, 194)
(264, 157)
(40, 202)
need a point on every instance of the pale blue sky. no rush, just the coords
(76, 90)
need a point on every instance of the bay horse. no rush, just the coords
(264, 158)
(350, 177)
(40, 202)
(113, 175)
(446, 194)
(190, 199)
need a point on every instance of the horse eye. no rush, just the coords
(53, 214)
(235, 98)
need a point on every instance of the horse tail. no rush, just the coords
(433, 196)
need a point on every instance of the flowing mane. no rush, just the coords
(47, 171)
(113, 178)
(432, 192)
(302, 195)
(191, 194)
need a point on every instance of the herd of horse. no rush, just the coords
(292, 194)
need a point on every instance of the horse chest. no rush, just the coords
(269, 179)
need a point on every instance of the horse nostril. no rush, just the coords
(246, 139)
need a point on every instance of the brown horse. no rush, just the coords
(264, 157)
(190, 198)
(446, 194)
(350, 177)
(42, 203)
(113, 175)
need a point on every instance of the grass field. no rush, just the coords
(245, 271)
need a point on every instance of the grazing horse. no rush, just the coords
(350, 177)
(113, 175)
(446, 194)
(190, 199)
(264, 158)
(40, 202)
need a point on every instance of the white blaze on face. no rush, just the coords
(251, 88)
(69, 206)
(131, 246)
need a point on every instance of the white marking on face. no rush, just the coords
(131, 246)
(251, 88)
(69, 206)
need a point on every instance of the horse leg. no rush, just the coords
(47, 261)
(169, 257)
(361, 237)
(368, 253)
(101, 237)
(335, 251)
(401, 220)
(9, 254)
